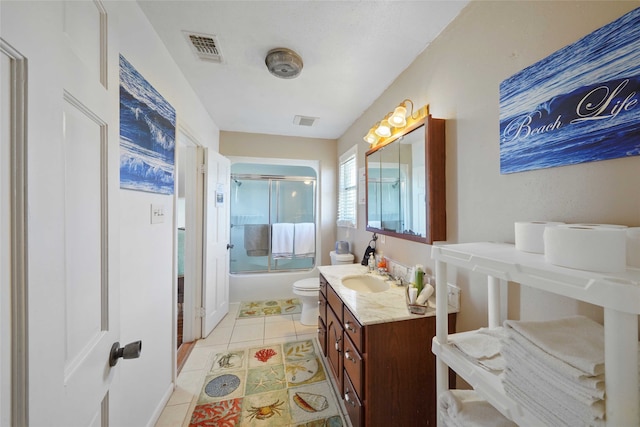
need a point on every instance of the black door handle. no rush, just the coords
(129, 351)
(229, 246)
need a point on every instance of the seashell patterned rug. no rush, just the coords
(276, 307)
(271, 385)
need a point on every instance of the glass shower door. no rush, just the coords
(249, 226)
(294, 203)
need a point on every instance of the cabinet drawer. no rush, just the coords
(335, 303)
(354, 366)
(354, 329)
(354, 406)
(322, 336)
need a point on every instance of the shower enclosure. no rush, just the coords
(272, 218)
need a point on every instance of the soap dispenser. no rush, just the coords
(372, 263)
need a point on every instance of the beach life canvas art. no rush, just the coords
(147, 135)
(580, 104)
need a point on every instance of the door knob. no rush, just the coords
(129, 351)
(229, 246)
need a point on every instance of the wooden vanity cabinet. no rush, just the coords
(386, 371)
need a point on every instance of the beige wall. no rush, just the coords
(458, 75)
(287, 147)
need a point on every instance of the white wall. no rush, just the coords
(458, 75)
(147, 263)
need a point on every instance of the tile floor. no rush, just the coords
(229, 334)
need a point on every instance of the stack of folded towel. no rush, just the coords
(464, 408)
(482, 346)
(555, 369)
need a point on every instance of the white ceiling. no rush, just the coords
(352, 51)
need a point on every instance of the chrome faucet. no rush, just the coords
(398, 279)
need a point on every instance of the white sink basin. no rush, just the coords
(365, 283)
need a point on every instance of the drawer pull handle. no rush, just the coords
(348, 399)
(347, 326)
(348, 357)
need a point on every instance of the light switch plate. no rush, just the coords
(157, 214)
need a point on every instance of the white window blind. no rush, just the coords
(348, 189)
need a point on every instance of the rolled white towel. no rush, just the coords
(465, 408)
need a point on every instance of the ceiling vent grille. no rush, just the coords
(205, 46)
(304, 120)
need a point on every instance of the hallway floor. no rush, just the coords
(231, 333)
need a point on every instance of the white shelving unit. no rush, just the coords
(618, 294)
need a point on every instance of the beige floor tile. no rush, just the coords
(306, 336)
(276, 319)
(242, 332)
(305, 329)
(173, 415)
(218, 336)
(279, 340)
(200, 358)
(245, 344)
(250, 321)
(279, 329)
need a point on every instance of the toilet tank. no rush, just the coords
(337, 259)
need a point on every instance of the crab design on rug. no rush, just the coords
(264, 412)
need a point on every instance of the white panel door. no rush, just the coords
(89, 152)
(5, 243)
(215, 294)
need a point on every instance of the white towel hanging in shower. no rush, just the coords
(282, 239)
(304, 239)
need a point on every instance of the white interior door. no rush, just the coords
(5, 242)
(13, 296)
(89, 152)
(215, 295)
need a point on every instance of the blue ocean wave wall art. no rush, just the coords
(580, 104)
(147, 135)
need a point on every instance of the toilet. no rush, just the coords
(307, 290)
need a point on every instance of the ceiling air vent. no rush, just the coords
(304, 120)
(205, 46)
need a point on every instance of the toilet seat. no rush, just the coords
(311, 284)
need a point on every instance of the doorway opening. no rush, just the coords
(186, 237)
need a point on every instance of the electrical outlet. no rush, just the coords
(453, 296)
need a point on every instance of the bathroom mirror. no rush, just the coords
(405, 179)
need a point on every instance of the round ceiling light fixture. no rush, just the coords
(283, 63)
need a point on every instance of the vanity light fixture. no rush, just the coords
(394, 122)
(371, 137)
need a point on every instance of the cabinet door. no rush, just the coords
(322, 336)
(334, 345)
(322, 308)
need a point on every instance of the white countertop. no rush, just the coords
(371, 308)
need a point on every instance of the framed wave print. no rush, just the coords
(580, 104)
(147, 135)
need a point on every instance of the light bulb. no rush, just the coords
(398, 118)
(371, 137)
(384, 130)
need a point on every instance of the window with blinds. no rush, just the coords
(348, 189)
